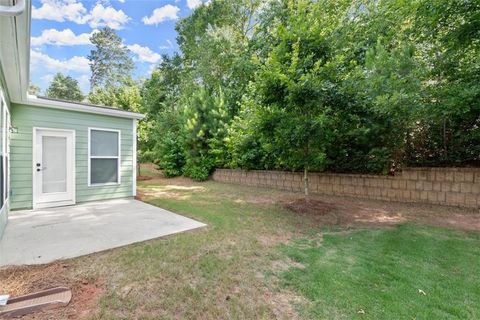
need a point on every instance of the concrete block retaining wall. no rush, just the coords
(444, 186)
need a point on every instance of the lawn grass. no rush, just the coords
(407, 272)
(257, 260)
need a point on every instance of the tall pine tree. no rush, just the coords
(110, 61)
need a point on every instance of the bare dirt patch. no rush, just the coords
(352, 212)
(170, 191)
(21, 280)
(270, 240)
(309, 206)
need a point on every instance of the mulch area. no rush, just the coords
(17, 281)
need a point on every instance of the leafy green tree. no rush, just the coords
(295, 88)
(110, 61)
(160, 102)
(126, 97)
(64, 87)
(34, 89)
(220, 32)
(447, 36)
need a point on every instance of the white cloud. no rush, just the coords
(193, 4)
(47, 78)
(164, 13)
(74, 64)
(60, 10)
(84, 82)
(61, 38)
(145, 54)
(72, 10)
(168, 46)
(101, 16)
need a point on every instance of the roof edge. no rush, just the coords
(72, 106)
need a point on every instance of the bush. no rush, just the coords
(145, 156)
(199, 168)
(171, 155)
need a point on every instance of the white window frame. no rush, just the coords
(118, 157)
(5, 150)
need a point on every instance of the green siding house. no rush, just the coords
(53, 152)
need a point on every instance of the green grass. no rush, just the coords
(381, 271)
(255, 260)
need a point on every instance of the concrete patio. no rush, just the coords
(46, 235)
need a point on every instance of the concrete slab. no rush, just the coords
(46, 235)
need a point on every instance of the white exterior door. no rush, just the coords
(53, 168)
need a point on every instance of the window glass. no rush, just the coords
(104, 143)
(104, 171)
(54, 163)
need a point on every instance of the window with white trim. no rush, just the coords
(104, 156)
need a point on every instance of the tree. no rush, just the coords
(64, 87)
(125, 97)
(160, 94)
(295, 88)
(336, 85)
(110, 61)
(34, 89)
(205, 125)
(219, 32)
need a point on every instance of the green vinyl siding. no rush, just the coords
(25, 118)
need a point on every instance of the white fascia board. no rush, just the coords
(15, 52)
(71, 106)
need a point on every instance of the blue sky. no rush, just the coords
(61, 28)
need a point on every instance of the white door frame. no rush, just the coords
(36, 193)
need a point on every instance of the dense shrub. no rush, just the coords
(199, 168)
(171, 155)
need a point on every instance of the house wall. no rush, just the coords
(25, 118)
(444, 186)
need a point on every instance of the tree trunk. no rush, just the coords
(445, 151)
(138, 169)
(305, 181)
